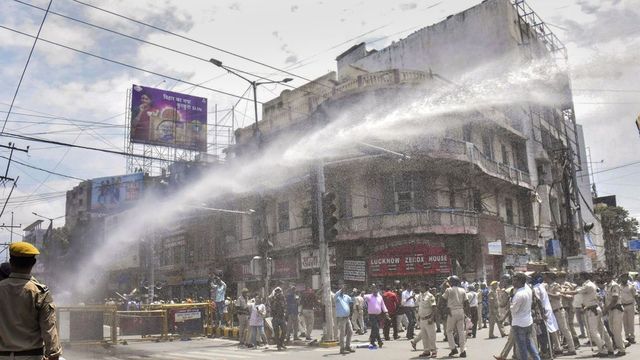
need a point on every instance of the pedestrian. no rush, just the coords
(456, 299)
(426, 303)
(628, 300)
(392, 303)
(256, 322)
(615, 310)
(521, 318)
(293, 305)
(357, 318)
(28, 325)
(309, 302)
(218, 290)
(279, 317)
(242, 310)
(377, 312)
(472, 297)
(494, 311)
(343, 317)
(408, 303)
(548, 324)
(483, 304)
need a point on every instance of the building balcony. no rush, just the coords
(516, 234)
(435, 221)
(448, 148)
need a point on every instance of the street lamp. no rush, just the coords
(254, 86)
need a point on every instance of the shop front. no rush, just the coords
(409, 262)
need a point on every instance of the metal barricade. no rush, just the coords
(142, 324)
(87, 324)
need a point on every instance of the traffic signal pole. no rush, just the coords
(325, 274)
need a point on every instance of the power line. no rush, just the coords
(192, 40)
(126, 65)
(612, 168)
(24, 70)
(609, 90)
(41, 169)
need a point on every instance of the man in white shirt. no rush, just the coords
(472, 297)
(521, 318)
(408, 303)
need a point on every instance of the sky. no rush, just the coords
(77, 98)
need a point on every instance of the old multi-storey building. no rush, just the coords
(484, 187)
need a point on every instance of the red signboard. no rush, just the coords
(285, 268)
(410, 259)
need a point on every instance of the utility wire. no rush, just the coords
(24, 70)
(611, 168)
(127, 65)
(13, 186)
(41, 169)
(191, 40)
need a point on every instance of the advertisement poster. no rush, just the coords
(355, 270)
(166, 118)
(115, 192)
(410, 259)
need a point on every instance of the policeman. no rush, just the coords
(614, 308)
(593, 313)
(628, 300)
(555, 298)
(494, 311)
(28, 323)
(426, 316)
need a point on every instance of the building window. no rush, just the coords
(487, 149)
(407, 192)
(505, 154)
(344, 202)
(306, 216)
(283, 216)
(508, 205)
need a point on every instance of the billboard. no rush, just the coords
(113, 193)
(166, 118)
(410, 259)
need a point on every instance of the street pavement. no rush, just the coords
(223, 349)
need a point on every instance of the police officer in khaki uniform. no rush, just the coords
(426, 303)
(555, 298)
(494, 311)
(628, 300)
(613, 307)
(28, 321)
(593, 313)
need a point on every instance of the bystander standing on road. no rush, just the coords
(28, 326)
(472, 297)
(343, 315)
(628, 300)
(357, 318)
(242, 310)
(256, 322)
(279, 317)
(293, 313)
(218, 290)
(392, 303)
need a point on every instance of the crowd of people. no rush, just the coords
(547, 314)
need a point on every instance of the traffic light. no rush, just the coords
(328, 214)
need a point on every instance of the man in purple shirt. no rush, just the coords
(377, 311)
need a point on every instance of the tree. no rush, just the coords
(617, 227)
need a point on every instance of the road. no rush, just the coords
(222, 349)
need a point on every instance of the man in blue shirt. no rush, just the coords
(219, 289)
(293, 301)
(343, 314)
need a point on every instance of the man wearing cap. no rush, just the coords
(555, 299)
(628, 300)
(28, 324)
(456, 299)
(426, 302)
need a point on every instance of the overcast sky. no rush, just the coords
(303, 37)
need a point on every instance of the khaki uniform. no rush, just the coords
(494, 313)
(615, 314)
(628, 300)
(559, 312)
(426, 317)
(593, 313)
(28, 317)
(455, 297)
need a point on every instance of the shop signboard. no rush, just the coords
(495, 247)
(241, 271)
(285, 268)
(310, 259)
(355, 270)
(634, 244)
(410, 259)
